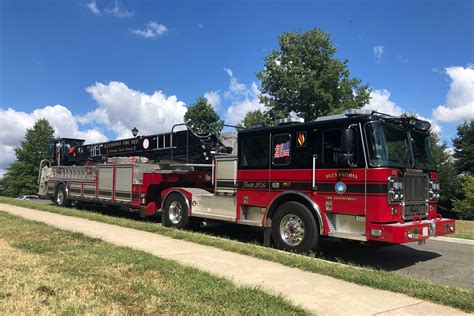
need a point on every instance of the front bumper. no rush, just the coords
(417, 230)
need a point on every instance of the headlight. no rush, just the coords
(395, 188)
(434, 189)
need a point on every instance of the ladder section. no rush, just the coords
(79, 173)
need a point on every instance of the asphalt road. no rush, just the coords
(439, 261)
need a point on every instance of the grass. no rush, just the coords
(44, 270)
(464, 229)
(423, 289)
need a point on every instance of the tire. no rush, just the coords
(294, 228)
(175, 212)
(61, 197)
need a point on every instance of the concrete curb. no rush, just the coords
(316, 293)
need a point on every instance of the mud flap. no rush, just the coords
(267, 236)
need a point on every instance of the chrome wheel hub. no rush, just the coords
(60, 198)
(292, 230)
(176, 212)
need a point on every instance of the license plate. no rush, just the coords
(425, 231)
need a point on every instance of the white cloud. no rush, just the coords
(7, 156)
(244, 99)
(460, 98)
(236, 89)
(378, 52)
(214, 98)
(116, 10)
(152, 30)
(14, 124)
(402, 59)
(121, 108)
(2, 173)
(92, 6)
(380, 102)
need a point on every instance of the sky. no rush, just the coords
(97, 68)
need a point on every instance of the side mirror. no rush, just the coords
(347, 140)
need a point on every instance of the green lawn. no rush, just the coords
(423, 289)
(44, 270)
(464, 229)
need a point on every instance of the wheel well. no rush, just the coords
(294, 197)
(177, 192)
(153, 193)
(58, 185)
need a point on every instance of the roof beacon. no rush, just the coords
(289, 120)
(356, 112)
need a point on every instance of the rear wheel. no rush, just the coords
(175, 211)
(61, 198)
(294, 228)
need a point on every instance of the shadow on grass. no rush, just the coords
(389, 258)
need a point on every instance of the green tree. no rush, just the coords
(21, 176)
(256, 118)
(464, 148)
(202, 119)
(448, 177)
(464, 154)
(304, 76)
(465, 206)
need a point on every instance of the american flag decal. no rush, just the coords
(282, 150)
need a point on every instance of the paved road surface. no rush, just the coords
(439, 261)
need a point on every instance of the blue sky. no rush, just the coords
(98, 68)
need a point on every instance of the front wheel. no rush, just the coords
(294, 228)
(175, 212)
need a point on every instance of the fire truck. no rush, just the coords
(361, 175)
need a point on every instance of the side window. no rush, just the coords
(331, 144)
(332, 153)
(281, 149)
(254, 151)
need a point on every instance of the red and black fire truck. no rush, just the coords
(360, 175)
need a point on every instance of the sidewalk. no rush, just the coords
(317, 293)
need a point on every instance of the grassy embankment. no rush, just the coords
(44, 270)
(446, 295)
(464, 229)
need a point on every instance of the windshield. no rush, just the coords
(388, 145)
(422, 149)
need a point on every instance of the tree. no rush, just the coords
(464, 154)
(21, 176)
(464, 148)
(448, 177)
(465, 206)
(202, 119)
(256, 118)
(304, 77)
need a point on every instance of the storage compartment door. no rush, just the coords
(123, 184)
(106, 179)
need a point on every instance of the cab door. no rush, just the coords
(340, 180)
(253, 171)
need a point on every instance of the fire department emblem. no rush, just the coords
(146, 143)
(340, 187)
(301, 139)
